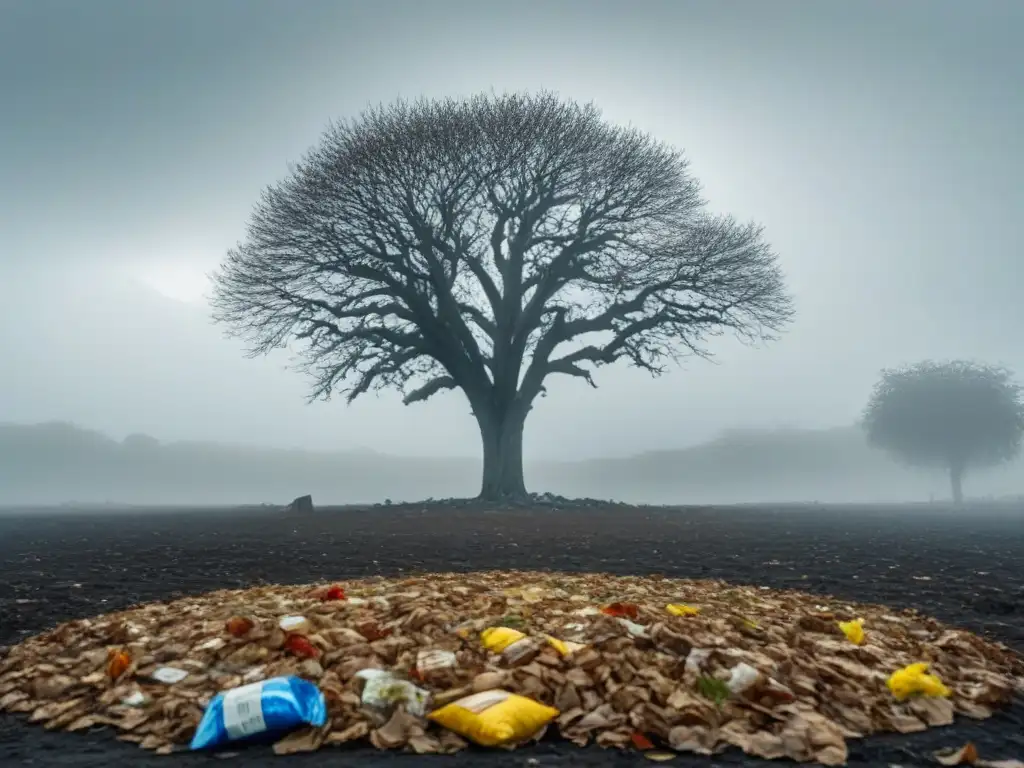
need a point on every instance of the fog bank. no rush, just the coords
(60, 463)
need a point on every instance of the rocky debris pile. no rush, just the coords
(660, 665)
(530, 501)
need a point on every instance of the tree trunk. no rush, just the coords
(502, 435)
(956, 478)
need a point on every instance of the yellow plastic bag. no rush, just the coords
(565, 648)
(497, 639)
(915, 680)
(494, 718)
(514, 646)
(679, 609)
(854, 630)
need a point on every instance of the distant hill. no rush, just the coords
(59, 462)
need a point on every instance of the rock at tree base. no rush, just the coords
(303, 505)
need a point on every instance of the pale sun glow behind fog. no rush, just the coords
(186, 284)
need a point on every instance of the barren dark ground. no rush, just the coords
(965, 568)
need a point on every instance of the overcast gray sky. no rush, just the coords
(881, 144)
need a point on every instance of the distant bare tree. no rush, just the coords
(484, 245)
(956, 415)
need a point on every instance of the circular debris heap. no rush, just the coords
(647, 663)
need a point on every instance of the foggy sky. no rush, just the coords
(880, 144)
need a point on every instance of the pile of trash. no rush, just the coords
(432, 663)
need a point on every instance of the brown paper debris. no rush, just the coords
(761, 670)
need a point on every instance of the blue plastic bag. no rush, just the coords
(278, 704)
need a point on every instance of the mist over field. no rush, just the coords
(875, 143)
(650, 370)
(58, 463)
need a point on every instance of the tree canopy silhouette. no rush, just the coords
(485, 244)
(957, 415)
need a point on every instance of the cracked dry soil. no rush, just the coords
(965, 568)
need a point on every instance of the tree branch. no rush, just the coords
(461, 244)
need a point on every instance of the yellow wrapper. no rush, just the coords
(494, 718)
(565, 648)
(678, 609)
(854, 630)
(915, 680)
(497, 639)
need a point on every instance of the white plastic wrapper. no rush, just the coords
(383, 692)
(742, 678)
(298, 624)
(430, 661)
(169, 675)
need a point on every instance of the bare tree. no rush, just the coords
(484, 245)
(956, 415)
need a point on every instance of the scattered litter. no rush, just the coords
(514, 646)
(915, 680)
(499, 657)
(300, 646)
(118, 663)
(968, 755)
(854, 630)
(135, 699)
(298, 624)
(565, 648)
(640, 741)
(335, 592)
(636, 630)
(169, 675)
(383, 691)
(679, 609)
(495, 718)
(497, 639)
(622, 610)
(239, 626)
(742, 677)
(429, 662)
(277, 705)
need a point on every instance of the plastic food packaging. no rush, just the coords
(565, 648)
(118, 662)
(169, 675)
(634, 629)
(622, 610)
(335, 592)
(429, 662)
(135, 699)
(514, 646)
(742, 678)
(297, 645)
(383, 692)
(276, 705)
(915, 680)
(497, 639)
(299, 624)
(494, 718)
(854, 630)
(239, 626)
(680, 609)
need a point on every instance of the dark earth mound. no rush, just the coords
(966, 568)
